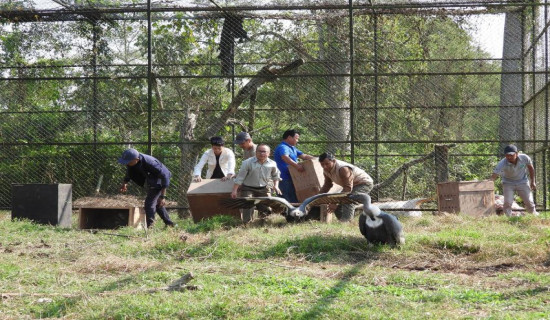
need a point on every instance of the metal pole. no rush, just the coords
(376, 137)
(351, 83)
(149, 84)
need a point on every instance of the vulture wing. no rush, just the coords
(326, 198)
(249, 202)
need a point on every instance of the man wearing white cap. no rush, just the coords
(513, 171)
(142, 168)
(244, 140)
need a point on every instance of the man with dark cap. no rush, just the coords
(244, 140)
(513, 172)
(141, 168)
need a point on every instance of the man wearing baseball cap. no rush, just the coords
(141, 168)
(513, 171)
(244, 140)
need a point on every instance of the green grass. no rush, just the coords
(451, 267)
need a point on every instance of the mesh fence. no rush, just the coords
(379, 83)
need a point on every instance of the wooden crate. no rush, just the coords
(475, 198)
(111, 218)
(309, 182)
(204, 197)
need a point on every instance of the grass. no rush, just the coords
(452, 267)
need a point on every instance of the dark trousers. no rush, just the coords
(287, 189)
(246, 191)
(151, 206)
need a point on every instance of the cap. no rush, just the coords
(217, 141)
(510, 149)
(128, 155)
(241, 137)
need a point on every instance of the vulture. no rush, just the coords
(282, 204)
(376, 225)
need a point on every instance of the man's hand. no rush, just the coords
(277, 190)
(197, 179)
(234, 194)
(161, 202)
(124, 187)
(533, 186)
(300, 168)
(229, 176)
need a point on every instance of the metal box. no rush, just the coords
(309, 182)
(475, 198)
(43, 203)
(111, 218)
(204, 199)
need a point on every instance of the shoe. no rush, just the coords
(171, 225)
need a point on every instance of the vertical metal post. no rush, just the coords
(351, 83)
(544, 178)
(149, 84)
(376, 137)
(95, 114)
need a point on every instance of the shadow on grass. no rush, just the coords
(58, 308)
(318, 310)
(322, 248)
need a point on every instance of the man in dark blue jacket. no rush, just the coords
(140, 168)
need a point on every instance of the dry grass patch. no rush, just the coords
(113, 264)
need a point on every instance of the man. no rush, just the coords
(244, 141)
(513, 172)
(351, 178)
(254, 177)
(220, 160)
(141, 168)
(286, 154)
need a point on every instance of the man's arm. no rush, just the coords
(292, 163)
(327, 185)
(198, 168)
(531, 170)
(235, 190)
(347, 179)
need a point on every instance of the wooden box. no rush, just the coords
(309, 182)
(111, 218)
(475, 198)
(204, 199)
(43, 203)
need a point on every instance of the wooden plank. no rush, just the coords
(211, 186)
(309, 182)
(326, 213)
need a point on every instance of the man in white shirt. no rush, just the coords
(513, 171)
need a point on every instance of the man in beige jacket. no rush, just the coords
(351, 178)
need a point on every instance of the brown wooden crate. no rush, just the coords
(309, 182)
(476, 198)
(110, 218)
(204, 199)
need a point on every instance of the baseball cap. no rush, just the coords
(241, 137)
(217, 141)
(128, 155)
(510, 149)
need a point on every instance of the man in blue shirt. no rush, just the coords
(286, 154)
(141, 168)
